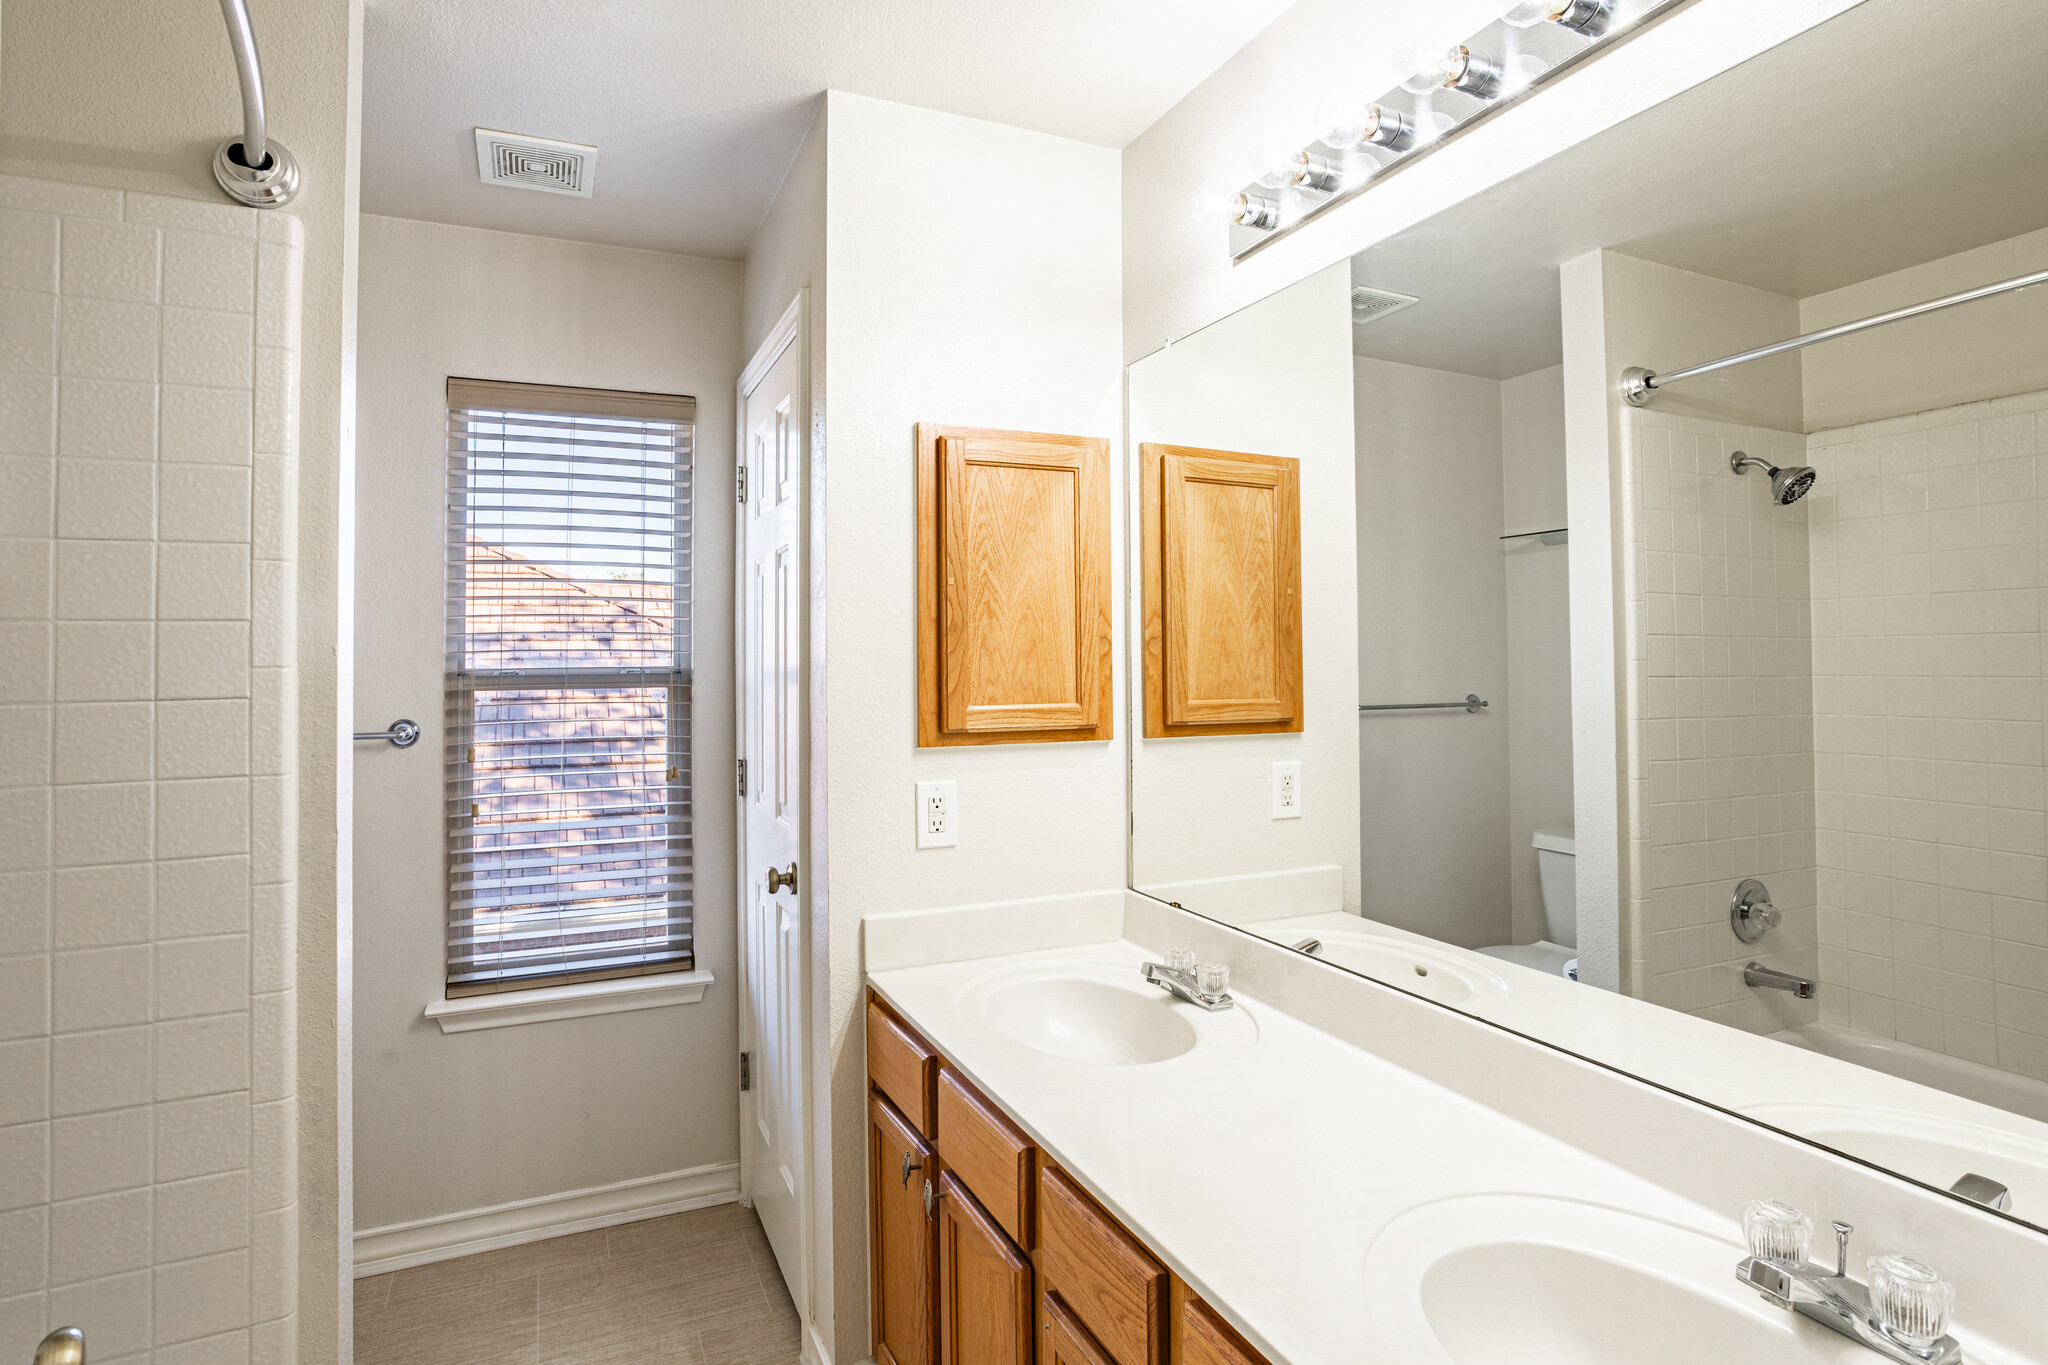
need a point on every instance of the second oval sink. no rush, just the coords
(1097, 1014)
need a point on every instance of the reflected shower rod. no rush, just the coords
(1473, 703)
(1639, 385)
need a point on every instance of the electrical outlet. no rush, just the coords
(1287, 790)
(938, 814)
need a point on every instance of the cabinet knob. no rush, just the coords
(929, 1199)
(910, 1163)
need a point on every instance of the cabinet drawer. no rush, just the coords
(903, 1066)
(987, 1152)
(1066, 1341)
(1104, 1275)
(984, 1285)
(1202, 1337)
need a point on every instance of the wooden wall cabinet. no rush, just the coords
(1013, 587)
(1221, 586)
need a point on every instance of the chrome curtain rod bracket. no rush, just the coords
(1473, 704)
(1639, 385)
(254, 168)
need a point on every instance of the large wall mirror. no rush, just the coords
(1705, 738)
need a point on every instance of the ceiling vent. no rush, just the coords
(1370, 305)
(535, 163)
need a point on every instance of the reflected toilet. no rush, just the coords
(1556, 860)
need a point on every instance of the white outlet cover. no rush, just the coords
(1287, 790)
(938, 814)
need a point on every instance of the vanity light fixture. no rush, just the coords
(1530, 44)
(1590, 17)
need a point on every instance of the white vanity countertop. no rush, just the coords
(1262, 1178)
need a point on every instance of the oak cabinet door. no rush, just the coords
(1202, 1337)
(1013, 587)
(1067, 1342)
(1221, 575)
(1104, 1276)
(984, 1285)
(902, 1200)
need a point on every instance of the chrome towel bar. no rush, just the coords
(403, 733)
(1472, 704)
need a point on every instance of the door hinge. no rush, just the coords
(743, 777)
(746, 1071)
(741, 482)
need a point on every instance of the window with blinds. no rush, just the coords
(568, 685)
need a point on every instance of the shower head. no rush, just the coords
(1788, 485)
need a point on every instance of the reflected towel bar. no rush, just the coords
(1472, 704)
(403, 733)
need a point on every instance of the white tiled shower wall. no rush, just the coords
(1928, 536)
(148, 434)
(1719, 709)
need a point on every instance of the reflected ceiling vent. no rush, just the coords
(535, 163)
(1370, 305)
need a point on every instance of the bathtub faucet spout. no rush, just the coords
(1756, 974)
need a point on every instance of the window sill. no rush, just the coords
(545, 1003)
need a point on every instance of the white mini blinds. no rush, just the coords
(568, 684)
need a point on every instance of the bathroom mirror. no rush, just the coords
(1703, 739)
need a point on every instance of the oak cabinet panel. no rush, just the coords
(903, 1238)
(1067, 1342)
(1202, 1337)
(984, 1285)
(903, 1066)
(1107, 1279)
(990, 1155)
(1221, 580)
(1013, 587)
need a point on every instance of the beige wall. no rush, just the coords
(1991, 349)
(1927, 575)
(1432, 625)
(138, 100)
(446, 1124)
(1539, 689)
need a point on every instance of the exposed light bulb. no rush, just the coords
(1589, 17)
(1521, 72)
(1255, 211)
(1215, 204)
(1344, 122)
(1453, 68)
(1273, 161)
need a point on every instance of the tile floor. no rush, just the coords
(697, 1288)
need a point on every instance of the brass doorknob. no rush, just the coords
(781, 881)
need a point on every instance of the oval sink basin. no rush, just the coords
(1447, 978)
(1529, 1280)
(1097, 1014)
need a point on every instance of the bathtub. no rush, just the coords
(1971, 1080)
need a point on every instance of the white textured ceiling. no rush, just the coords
(697, 106)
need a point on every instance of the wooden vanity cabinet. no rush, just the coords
(983, 1252)
(903, 1238)
(984, 1285)
(1102, 1274)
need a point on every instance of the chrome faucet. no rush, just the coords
(1756, 974)
(1187, 983)
(1839, 1303)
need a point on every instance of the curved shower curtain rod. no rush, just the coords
(254, 168)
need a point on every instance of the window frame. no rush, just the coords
(467, 401)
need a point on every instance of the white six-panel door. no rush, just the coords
(772, 937)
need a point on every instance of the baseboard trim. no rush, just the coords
(813, 1350)
(400, 1246)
